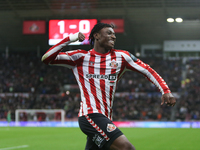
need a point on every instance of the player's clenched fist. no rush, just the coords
(168, 99)
(81, 37)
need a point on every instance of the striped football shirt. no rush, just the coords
(97, 74)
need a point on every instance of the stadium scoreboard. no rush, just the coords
(59, 29)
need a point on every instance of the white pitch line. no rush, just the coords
(15, 147)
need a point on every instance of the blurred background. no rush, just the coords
(163, 33)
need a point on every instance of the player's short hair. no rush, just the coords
(96, 29)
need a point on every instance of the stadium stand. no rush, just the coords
(29, 84)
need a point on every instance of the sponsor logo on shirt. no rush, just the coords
(111, 77)
(111, 127)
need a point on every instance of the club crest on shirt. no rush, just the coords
(111, 127)
(113, 64)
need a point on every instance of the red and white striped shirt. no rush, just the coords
(97, 74)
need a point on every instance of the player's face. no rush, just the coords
(107, 38)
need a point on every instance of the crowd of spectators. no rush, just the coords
(169, 70)
(25, 73)
(189, 106)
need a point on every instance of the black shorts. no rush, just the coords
(100, 131)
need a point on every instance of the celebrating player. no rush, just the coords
(97, 72)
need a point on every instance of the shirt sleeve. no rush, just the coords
(135, 64)
(54, 56)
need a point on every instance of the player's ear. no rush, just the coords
(96, 35)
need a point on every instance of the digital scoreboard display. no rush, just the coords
(59, 29)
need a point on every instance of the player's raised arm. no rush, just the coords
(52, 53)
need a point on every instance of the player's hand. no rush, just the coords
(81, 37)
(168, 99)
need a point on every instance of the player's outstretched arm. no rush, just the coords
(153, 76)
(52, 53)
(168, 99)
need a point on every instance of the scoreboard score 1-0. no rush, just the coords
(59, 29)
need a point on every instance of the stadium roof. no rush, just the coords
(145, 20)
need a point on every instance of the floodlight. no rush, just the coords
(170, 20)
(179, 20)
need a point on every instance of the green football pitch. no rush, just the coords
(48, 138)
